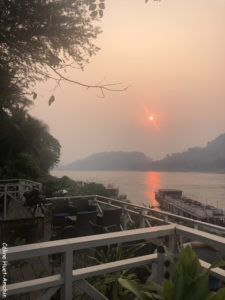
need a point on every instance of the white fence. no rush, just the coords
(68, 247)
(68, 276)
(163, 217)
(14, 189)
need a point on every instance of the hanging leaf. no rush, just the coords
(220, 295)
(34, 95)
(102, 5)
(94, 14)
(51, 99)
(92, 7)
(100, 13)
(217, 264)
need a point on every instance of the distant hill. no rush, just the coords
(205, 159)
(115, 160)
(210, 158)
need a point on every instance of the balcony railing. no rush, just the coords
(68, 277)
(14, 189)
(147, 215)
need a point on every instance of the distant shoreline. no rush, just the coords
(208, 159)
(145, 171)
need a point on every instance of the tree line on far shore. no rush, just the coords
(199, 159)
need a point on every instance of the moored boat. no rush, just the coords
(172, 200)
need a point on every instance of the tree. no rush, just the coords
(23, 165)
(24, 138)
(40, 38)
(40, 33)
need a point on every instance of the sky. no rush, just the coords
(171, 54)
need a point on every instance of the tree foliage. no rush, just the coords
(55, 186)
(25, 141)
(39, 39)
(37, 35)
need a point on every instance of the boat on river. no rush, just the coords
(174, 201)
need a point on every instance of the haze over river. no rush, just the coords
(140, 187)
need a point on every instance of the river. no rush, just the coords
(140, 187)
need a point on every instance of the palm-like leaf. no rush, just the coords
(189, 281)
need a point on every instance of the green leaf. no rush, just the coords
(199, 289)
(168, 290)
(155, 296)
(217, 264)
(153, 286)
(51, 100)
(135, 288)
(220, 295)
(179, 283)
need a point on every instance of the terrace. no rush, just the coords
(157, 227)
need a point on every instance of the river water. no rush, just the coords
(140, 187)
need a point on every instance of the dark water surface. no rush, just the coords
(140, 187)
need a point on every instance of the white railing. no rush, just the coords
(68, 247)
(68, 276)
(163, 217)
(14, 189)
(146, 215)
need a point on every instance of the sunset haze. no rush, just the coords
(171, 55)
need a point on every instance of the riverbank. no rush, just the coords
(140, 187)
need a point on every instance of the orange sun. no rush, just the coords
(151, 118)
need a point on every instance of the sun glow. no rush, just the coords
(151, 117)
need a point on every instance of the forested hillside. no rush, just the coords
(204, 159)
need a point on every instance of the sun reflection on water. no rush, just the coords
(153, 184)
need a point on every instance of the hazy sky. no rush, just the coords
(172, 53)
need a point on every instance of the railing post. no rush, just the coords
(195, 226)
(97, 204)
(172, 245)
(160, 264)
(166, 218)
(125, 219)
(67, 268)
(142, 219)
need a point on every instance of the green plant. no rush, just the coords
(108, 284)
(114, 253)
(189, 281)
(40, 273)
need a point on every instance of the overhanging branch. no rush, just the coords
(112, 87)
